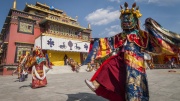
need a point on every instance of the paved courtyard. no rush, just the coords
(163, 85)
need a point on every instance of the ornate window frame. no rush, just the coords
(26, 25)
(20, 47)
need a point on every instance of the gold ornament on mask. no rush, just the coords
(133, 11)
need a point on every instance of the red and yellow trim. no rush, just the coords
(134, 61)
(140, 41)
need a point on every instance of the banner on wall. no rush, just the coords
(60, 44)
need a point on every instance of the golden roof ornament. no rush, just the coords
(76, 18)
(133, 11)
(14, 4)
(89, 26)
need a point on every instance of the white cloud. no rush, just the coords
(118, 1)
(160, 2)
(111, 31)
(103, 16)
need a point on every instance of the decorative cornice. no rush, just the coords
(87, 31)
(14, 17)
(7, 20)
(16, 42)
(46, 6)
(43, 10)
(27, 14)
(38, 3)
(15, 23)
(61, 22)
(29, 18)
(50, 12)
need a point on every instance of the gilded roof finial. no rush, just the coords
(14, 4)
(76, 18)
(89, 26)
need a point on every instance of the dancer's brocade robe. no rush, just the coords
(136, 80)
(39, 73)
(123, 76)
(20, 68)
(125, 73)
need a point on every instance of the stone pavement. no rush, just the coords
(65, 69)
(163, 86)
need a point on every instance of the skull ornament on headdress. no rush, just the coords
(129, 17)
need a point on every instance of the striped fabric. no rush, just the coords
(101, 47)
(161, 45)
(92, 54)
(104, 48)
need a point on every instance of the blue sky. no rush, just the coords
(103, 15)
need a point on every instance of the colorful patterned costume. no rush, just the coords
(39, 62)
(19, 70)
(122, 77)
(22, 69)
